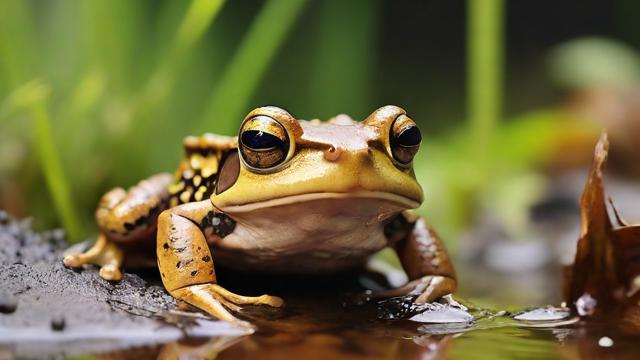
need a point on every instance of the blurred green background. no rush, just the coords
(96, 94)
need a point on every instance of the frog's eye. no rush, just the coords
(264, 143)
(404, 139)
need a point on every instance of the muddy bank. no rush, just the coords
(49, 310)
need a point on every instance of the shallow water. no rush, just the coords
(323, 320)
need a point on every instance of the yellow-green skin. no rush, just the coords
(338, 197)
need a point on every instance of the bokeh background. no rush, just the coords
(510, 97)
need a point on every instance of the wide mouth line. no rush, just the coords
(302, 198)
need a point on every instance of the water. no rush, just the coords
(325, 319)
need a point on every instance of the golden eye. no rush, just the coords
(264, 142)
(404, 139)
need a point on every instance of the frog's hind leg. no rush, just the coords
(104, 253)
(186, 264)
(124, 217)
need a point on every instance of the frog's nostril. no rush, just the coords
(332, 153)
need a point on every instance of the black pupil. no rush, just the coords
(410, 137)
(260, 140)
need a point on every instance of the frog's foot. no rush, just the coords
(427, 289)
(215, 300)
(103, 253)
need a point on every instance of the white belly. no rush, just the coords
(320, 236)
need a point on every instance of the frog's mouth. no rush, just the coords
(385, 197)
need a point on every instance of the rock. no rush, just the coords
(57, 323)
(8, 302)
(438, 313)
(544, 314)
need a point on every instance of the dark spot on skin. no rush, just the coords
(178, 264)
(194, 272)
(179, 250)
(166, 246)
(162, 274)
(199, 248)
(210, 272)
(206, 258)
(222, 224)
(399, 228)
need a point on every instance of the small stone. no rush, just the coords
(442, 314)
(543, 314)
(8, 303)
(57, 323)
(4, 217)
(586, 305)
(605, 341)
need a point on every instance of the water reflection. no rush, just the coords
(320, 322)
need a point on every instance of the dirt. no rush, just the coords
(49, 310)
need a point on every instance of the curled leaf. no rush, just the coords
(607, 262)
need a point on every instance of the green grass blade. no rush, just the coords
(199, 17)
(484, 69)
(24, 97)
(231, 96)
(341, 69)
(53, 173)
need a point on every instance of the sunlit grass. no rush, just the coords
(24, 97)
(198, 18)
(232, 94)
(52, 169)
(484, 70)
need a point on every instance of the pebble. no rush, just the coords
(4, 217)
(605, 341)
(544, 314)
(8, 303)
(57, 323)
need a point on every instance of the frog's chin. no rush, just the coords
(302, 199)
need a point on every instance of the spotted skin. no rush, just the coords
(196, 177)
(183, 254)
(127, 216)
(186, 265)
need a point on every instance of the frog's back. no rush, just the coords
(197, 174)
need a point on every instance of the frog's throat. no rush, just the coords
(302, 198)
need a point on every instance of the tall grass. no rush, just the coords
(53, 172)
(18, 63)
(230, 98)
(100, 84)
(484, 70)
(340, 75)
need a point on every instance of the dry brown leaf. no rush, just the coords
(608, 257)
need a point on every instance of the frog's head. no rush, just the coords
(283, 161)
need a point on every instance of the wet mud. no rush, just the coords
(49, 310)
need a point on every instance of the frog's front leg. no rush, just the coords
(423, 257)
(186, 263)
(123, 216)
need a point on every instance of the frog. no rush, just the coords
(283, 196)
